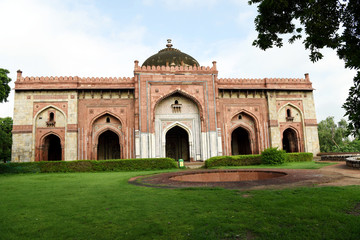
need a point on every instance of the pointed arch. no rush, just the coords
(185, 94)
(290, 139)
(97, 132)
(179, 124)
(256, 120)
(49, 106)
(241, 142)
(51, 147)
(104, 113)
(107, 128)
(187, 142)
(294, 106)
(49, 133)
(177, 143)
(254, 131)
(108, 145)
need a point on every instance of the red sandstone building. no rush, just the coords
(171, 107)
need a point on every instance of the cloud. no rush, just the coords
(49, 38)
(69, 38)
(239, 59)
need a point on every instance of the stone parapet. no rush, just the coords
(265, 83)
(176, 69)
(58, 83)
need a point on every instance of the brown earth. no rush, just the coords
(335, 175)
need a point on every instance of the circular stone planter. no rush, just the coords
(227, 176)
(353, 162)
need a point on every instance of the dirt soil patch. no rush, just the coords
(334, 175)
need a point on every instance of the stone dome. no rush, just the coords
(170, 56)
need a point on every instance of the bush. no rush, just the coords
(299, 157)
(273, 156)
(238, 160)
(89, 165)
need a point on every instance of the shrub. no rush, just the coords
(238, 160)
(273, 156)
(89, 165)
(299, 157)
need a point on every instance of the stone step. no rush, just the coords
(193, 165)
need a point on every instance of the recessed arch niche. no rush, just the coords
(244, 134)
(107, 137)
(179, 115)
(290, 140)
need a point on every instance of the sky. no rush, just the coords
(93, 38)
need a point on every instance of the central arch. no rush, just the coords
(177, 144)
(290, 142)
(108, 146)
(182, 112)
(240, 142)
(52, 148)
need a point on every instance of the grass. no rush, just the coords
(288, 165)
(104, 206)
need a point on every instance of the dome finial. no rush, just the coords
(169, 45)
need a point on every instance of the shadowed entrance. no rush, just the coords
(108, 146)
(52, 148)
(177, 144)
(240, 142)
(290, 141)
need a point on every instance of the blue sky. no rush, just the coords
(103, 38)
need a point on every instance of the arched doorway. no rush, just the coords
(240, 142)
(290, 143)
(108, 146)
(52, 148)
(177, 144)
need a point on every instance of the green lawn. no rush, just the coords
(104, 206)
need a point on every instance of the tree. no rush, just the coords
(4, 85)
(331, 135)
(324, 23)
(5, 138)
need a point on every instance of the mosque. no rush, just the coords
(171, 107)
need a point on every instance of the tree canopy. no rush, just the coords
(4, 85)
(5, 138)
(333, 137)
(322, 24)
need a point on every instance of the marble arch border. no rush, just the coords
(190, 138)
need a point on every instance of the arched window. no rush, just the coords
(288, 113)
(240, 117)
(51, 122)
(51, 116)
(176, 107)
(289, 118)
(107, 119)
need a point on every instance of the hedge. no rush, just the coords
(89, 165)
(238, 160)
(299, 157)
(246, 160)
